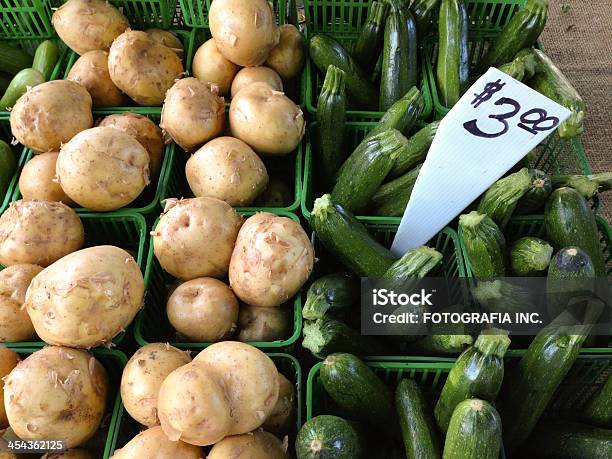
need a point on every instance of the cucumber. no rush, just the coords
(581, 183)
(416, 150)
(20, 83)
(8, 165)
(328, 335)
(500, 200)
(452, 66)
(329, 437)
(400, 66)
(402, 114)
(475, 431)
(334, 294)
(326, 51)
(348, 240)
(536, 196)
(441, 344)
(422, 11)
(331, 117)
(45, 58)
(569, 221)
(418, 428)
(485, 245)
(13, 60)
(391, 198)
(370, 40)
(530, 256)
(523, 67)
(478, 372)
(598, 410)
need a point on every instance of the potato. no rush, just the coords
(263, 324)
(37, 180)
(210, 66)
(143, 68)
(51, 114)
(193, 406)
(167, 38)
(144, 374)
(245, 32)
(8, 361)
(272, 259)
(254, 445)
(287, 58)
(203, 309)
(88, 25)
(86, 298)
(76, 453)
(192, 113)
(250, 75)
(91, 71)
(153, 444)
(228, 169)
(56, 393)
(145, 131)
(250, 379)
(266, 119)
(195, 237)
(38, 232)
(15, 324)
(103, 168)
(276, 194)
(282, 417)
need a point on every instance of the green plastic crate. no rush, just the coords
(25, 18)
(127, 428)
(195, 12)
(152, 325)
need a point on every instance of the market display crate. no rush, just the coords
(25, 18)
(127, 428)
(195, 12)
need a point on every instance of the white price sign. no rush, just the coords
(495, 124)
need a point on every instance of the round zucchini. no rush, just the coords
(328, 437)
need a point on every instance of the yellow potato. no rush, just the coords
(88, 25)
(144, 374)
(51, 114)
(8, 361)
(103, 168)
(56, 393)
(153, 444)
(254, 445)
(37, 180)
(86, 298)
(287, 58)
(282, 417)
(38, 232)
(250, 75)
(15, 324)
(263, 324)
(192, 113)
(76, 453)
(228, 169)
(210, 66)
(167, 38)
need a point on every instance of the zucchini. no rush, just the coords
(416, 263)
(402, 114)
(485, 245)
(13, 60)
(326, 51)
(500, 200)
(581, 183)
(441, 344)
(45, 58)
(569, 221)
(348, 240)
(475, 431)
(598, 410)
(452, 66)
(8, 165)
(530, 256)
(392, 197)
(604, 180)
(400, 65)
(536, 196)
(522, 31)
(375, 77)
(334, 294)
(499, 295)
(478, 372)
(523, 67)
(418, 428)
(422, 11)
(370, 40)
(328, 335)
(416, 150)
(331, 118)
(27, 78)
(329, 437)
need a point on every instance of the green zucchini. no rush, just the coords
(475, 431)
(581, 183)
(536, 196)
(20, 83)
(500, 200)
(485, 245)
(530, 256)
(370, 40)
(441, 344)
(569, 221)
(452, 66)
(326, 51)
(522, 67)
(13, 60)
(329, 437)
(45, 58)
(478, 372)
(348, 240)
(499, 295)
(604, 180)
(391, 199)
(375, 77)
(400, 66)
(328, 335)
(423, 11)
(8, 165)
(402, 114)
(598, 410)
(415, 150)
(417, 262)
(522, 31)
(418, 428)
(334, 294)
(331, 117)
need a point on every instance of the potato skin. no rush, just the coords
(203, 309)
(192, 113)
(250, 379)
(143, 68)
(167, 38)
(51, 114)
(103, 168)
(76, 453)
(86, 298)
(91, 71)
(272, 259)
(88, 25)
(62, 380)
(283, 415)
(254, 445)
(37, 180)
(15, 324)
(144, 374)
(195, 237)
(250, 75)
(228, 169)
(266, 119)
(287, 58)
(210, 66)
(39, 232)
(263, 324)
(153, 444)
(8, 361)
(245, 32)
